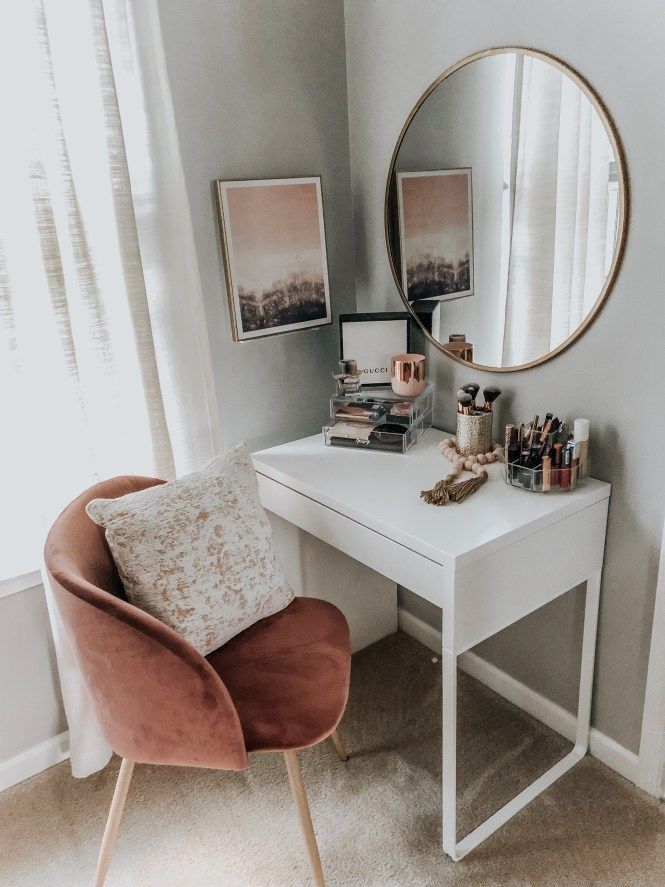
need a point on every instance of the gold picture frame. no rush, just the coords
(273, 242)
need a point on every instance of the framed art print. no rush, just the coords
(274, 249)
(371, 340)
(436, 233)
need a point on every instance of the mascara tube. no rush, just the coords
(564, 475)
(557, 461)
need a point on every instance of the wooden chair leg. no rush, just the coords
(339, 745)
(113, 821)
(300, 798)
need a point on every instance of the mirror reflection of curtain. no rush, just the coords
(563, 215)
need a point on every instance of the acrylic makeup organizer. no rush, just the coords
(564, 479)
(379, 419)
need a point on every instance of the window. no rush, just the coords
(97, 332)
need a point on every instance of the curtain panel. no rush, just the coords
(104, 356)
(559, 250)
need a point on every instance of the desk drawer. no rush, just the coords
(403, 566)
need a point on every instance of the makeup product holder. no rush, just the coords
(381, 420)
(561, 480)
(474, 433)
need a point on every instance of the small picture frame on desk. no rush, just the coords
(371, 340)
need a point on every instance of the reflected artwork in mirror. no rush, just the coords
(506, 208)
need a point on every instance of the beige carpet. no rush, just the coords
(377, 817)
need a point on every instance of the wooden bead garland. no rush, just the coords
(447, 490)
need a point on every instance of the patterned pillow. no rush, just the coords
(197, 552)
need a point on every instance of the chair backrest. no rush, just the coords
(156, 698)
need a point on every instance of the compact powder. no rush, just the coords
(391, 428)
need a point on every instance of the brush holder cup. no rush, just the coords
(474, 433)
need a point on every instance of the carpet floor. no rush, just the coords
(377, 817)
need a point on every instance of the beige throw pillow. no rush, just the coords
(197, 552)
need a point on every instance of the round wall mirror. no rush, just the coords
(506, 209)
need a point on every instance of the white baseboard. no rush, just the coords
(34, 760)
(419, 630)
(608, 751)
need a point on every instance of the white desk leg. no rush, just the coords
(449, 746)
(458, 850)
(588, 661)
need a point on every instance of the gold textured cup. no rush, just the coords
(474, 434)
(407, 374)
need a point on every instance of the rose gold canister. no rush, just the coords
(407, 374)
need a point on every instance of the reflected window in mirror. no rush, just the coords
(505, 206)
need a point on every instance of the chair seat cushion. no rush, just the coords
(288, 675)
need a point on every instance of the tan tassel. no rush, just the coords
(463, 490)
(439, 494)
(446, 490)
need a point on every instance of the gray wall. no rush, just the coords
(394, 50)
(29, 691)
(259, 91)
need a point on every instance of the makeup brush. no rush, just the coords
(490, 394)
(472, 389)
(547, 428)
(534, 429)
(464, 400)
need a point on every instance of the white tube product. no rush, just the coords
(581, 440)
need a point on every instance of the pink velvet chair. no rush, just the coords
(280, 685)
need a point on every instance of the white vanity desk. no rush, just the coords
(486, 562)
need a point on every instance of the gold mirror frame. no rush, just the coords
(622, 176)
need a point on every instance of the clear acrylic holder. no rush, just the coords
(381, 404)
(370, 437)
(562, 480)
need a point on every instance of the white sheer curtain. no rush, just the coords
(104, 359)
(559, 246)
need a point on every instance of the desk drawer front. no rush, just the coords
(389, 558)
